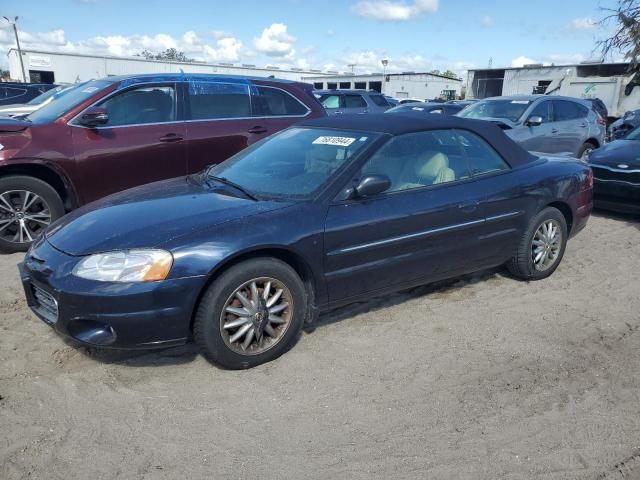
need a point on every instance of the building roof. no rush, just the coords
(327, 75)
(399, 124)
(538, 66)
(161, 77)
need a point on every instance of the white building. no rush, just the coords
(610, 82)
(56, 67)
(398, 85)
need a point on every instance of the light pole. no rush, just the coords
(384, 62)
(15, 31)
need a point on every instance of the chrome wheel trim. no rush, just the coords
(546, 245)
(23, 216)
(586, 153)
(256, 316)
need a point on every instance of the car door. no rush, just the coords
(536, 138)
(143, 140)
(219, 121)
(417, 230)
(570, 126)
(332, 103)
(354, 103)
(274, 109)
(503, 205)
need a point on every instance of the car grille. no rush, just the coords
(46, 305)
(620, 176)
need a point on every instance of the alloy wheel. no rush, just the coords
(256, 316)
(546, 245)
(23, 216)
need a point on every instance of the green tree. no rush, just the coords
(449, 74)
(170, 54)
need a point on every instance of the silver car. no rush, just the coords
(548, 124)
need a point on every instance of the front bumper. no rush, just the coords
(617, 195)
(106, 314)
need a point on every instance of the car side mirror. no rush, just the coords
(371, 185)
(534, 121)
(94, 116)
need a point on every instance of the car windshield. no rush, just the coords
(45, 96)
(409, 107)
(64, 103)
(507, 109)
(634, 134)
(295, 163)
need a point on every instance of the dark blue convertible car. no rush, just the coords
(325, 213)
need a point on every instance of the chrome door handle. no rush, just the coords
(257, 129)
(554, 130)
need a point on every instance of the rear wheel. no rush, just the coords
(27, 207)
(542, 246)
(585, 150)
(252, 314)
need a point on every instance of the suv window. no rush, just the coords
(141, 105)
(565, 110)
(379, 100)
(14, 92)
(481, 156)
(418, 160)
(213, 100)
(276, 102)
(542, 110)
(330, 101)
(354, 101)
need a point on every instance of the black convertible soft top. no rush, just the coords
(400, 123)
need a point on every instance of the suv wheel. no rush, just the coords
(27, 207)
(585, 150)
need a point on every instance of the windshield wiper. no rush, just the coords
(234, 185)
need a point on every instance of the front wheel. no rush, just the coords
(541, 247)
(27, 207)
(252, 314)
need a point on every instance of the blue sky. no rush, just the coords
(414, 35)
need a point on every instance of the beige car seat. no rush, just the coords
(430, 168)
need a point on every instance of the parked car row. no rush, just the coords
(112, 134)
(19, 110)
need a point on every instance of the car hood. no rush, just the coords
(150, 215)
(11, 125)
(617, 152)
(503, 123)
(16, 108)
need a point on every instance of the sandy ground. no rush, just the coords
(485, 377)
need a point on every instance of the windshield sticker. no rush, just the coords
(90, 89)
(520, 102)
(363, 139)
(336, 141)
(419, 109)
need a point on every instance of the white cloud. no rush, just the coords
(521, 61)
(225, 47)
(394, 11)
(487, 21)
(275, 41)
(582, 24)
(330, 33)
(369, 61)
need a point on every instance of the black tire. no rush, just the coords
(46, 192)
(207, 328)
(586, 147)
(522, 264)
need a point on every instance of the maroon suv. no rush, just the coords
(111, 134)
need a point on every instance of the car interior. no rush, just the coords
(141, 106)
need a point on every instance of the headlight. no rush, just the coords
(126, 266)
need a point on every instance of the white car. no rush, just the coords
(18, 110)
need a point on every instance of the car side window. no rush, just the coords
(276, 102)
(216, 100)
(542, 110)
(143, 105)
(481, 156)
(418, 160)
(354, 101)
(565, 110)
(330, 101)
